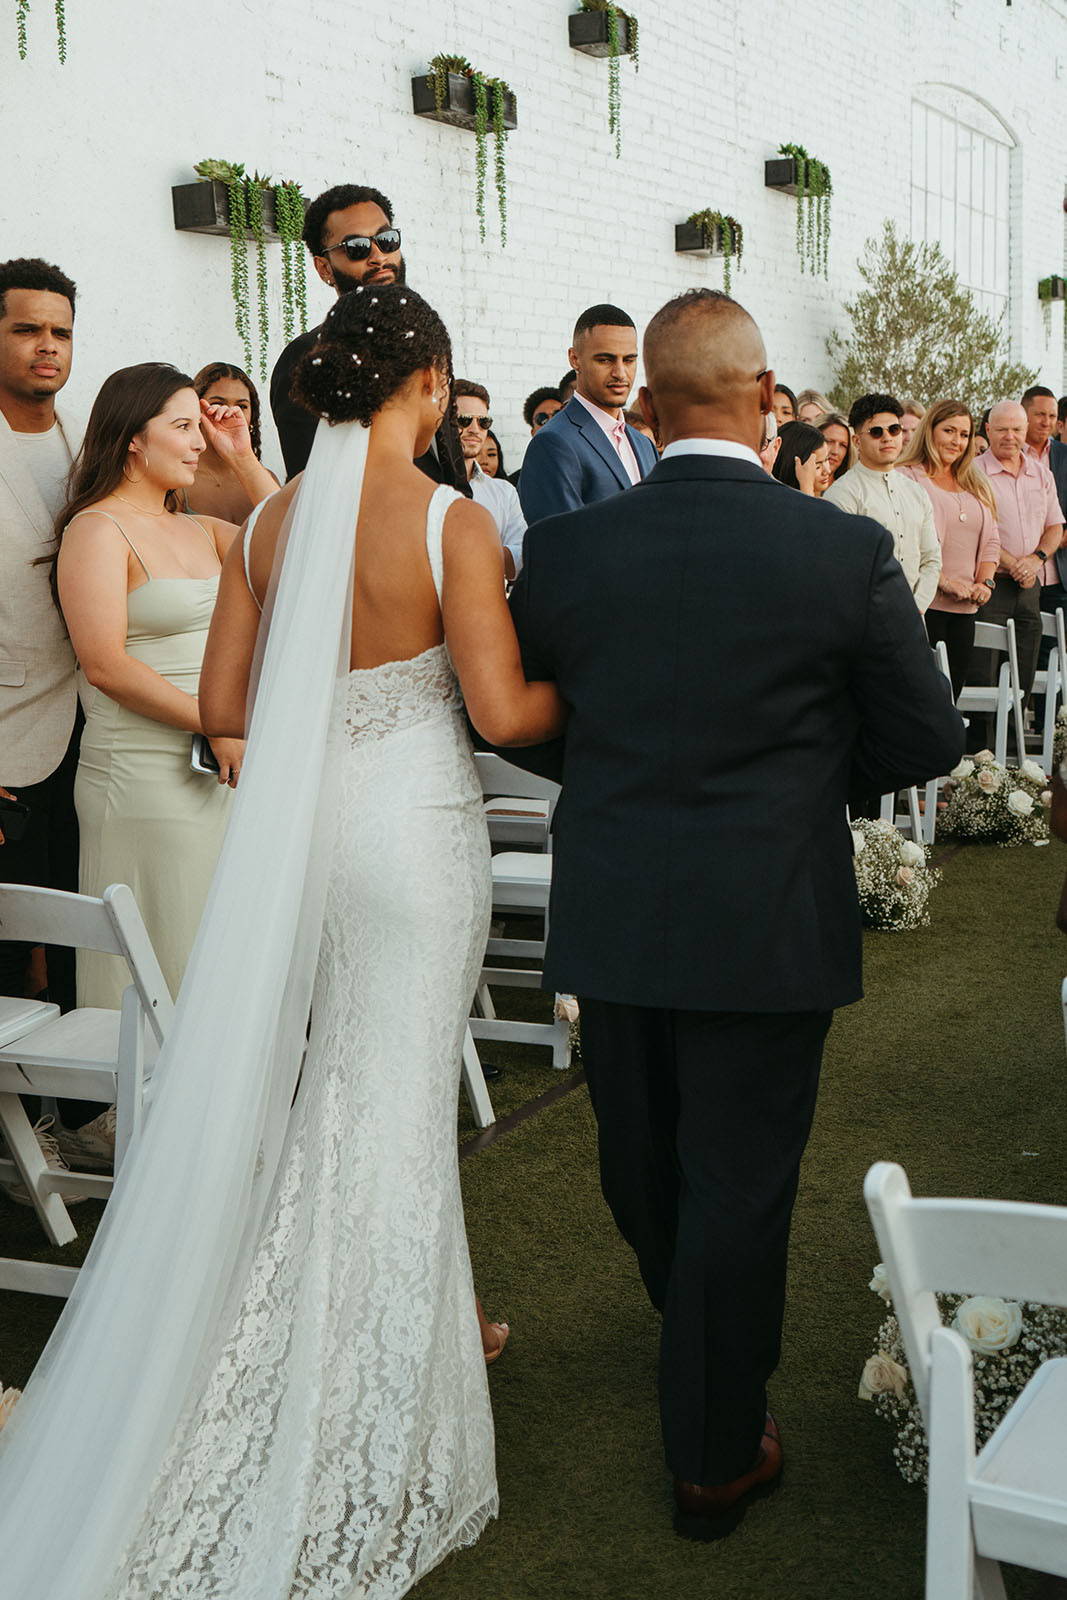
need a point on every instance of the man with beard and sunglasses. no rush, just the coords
(354, 244)
(872, 489)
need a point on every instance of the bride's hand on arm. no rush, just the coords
(231, 644)
(505, 709)
(92, 576)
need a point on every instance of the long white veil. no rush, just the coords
(133, 1346)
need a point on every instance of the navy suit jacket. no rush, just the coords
(723, 707)
(1057, 460)
(570, 462)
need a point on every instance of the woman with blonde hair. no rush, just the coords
(811, 405)
(941, 457)
(835, 430)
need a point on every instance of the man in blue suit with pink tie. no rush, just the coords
(587, 452)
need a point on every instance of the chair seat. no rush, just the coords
(513, 807)
(21, 1016)
(521, 880)
(83, 1042)
(1019, 1490)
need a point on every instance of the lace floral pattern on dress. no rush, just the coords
(400, 694)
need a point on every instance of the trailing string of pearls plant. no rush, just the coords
(245, 197)
(489, 96)
(814, 188)
(618, 20)
(22, 11)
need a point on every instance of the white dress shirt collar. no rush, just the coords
(712, 447)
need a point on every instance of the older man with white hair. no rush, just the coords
(1031, 530)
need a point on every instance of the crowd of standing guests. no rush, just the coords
(114, 535)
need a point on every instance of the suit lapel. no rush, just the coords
(641, 447)
(594, 434)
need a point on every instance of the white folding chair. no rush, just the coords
(1007, 1502)
(1005, 698)
(1051, 681)
(519, 806)
(87, 1054)
(910, 820)
(933, 787)
(521, 883)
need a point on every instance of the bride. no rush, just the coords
(268, 1382)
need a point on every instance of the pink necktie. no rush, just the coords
(618, 434)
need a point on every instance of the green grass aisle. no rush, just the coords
(955, 1066)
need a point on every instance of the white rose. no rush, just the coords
(1046, 797)
(882, 1375)
(912, 854)
(885, 827)
(964, 770)
(859, 843)
(1021, 802)
(1030, 769)
(985, 756)
(879, 1283)
(905, 875)
(989, 780)
(8, 1398)
(989, 1325)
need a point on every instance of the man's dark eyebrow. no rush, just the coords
(35, 327)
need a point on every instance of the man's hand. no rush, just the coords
(6, 795)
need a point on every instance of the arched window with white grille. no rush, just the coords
(961, 170)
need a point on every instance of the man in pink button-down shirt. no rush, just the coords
(1030, 523)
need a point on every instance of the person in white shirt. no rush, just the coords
(499, 497)
(872, 489)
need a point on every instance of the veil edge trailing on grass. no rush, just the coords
(156, 1296)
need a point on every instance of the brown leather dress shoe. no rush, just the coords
(711, 1511)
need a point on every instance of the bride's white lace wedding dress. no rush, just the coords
(343, 1442)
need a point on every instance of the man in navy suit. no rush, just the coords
(588, 451)
(739, 660)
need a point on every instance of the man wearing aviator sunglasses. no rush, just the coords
(499, 497)
(872, 489)
(354, 244)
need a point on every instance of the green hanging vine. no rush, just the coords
(712, 225)
(289, 220)
(245, 197)
(490, 103)
(22, 11)
(814, 188)
(617, 20)
(1044, 294)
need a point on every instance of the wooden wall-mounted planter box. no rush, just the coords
(458, 108)
(204, 207)
(1057, 288)
(781, 174)
(589, 33)
(691, 240)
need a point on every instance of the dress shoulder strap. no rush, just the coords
(440, 500)
(247, 546)
(96, 511)
(207, 535)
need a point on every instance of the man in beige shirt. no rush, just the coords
(38, 699)
(872, 489)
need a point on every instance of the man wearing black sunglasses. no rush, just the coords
(537, 409)
(872, 489)
(354, 242)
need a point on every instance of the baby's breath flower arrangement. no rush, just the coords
(992, 804)
(1059, 738)
(1009, 1342)
(893, 877)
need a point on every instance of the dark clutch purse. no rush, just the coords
(14, 820)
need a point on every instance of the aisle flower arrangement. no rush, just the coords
(991, 804)
(1009, 1342)
(893, 877)
(1059, 739)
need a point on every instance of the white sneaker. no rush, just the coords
(53, 1159)
(91, 1147)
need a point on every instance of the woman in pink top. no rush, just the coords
(941, 457)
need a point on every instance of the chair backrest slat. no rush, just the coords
(990, 636)
(500, 777)
(52, 916)
(136, 946)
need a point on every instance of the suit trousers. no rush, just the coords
(1024, 606)
(702, 1119)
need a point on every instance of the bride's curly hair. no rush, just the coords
(371, 342)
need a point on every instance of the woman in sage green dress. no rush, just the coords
(137, 579)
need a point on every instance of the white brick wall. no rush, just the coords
(320, 92)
